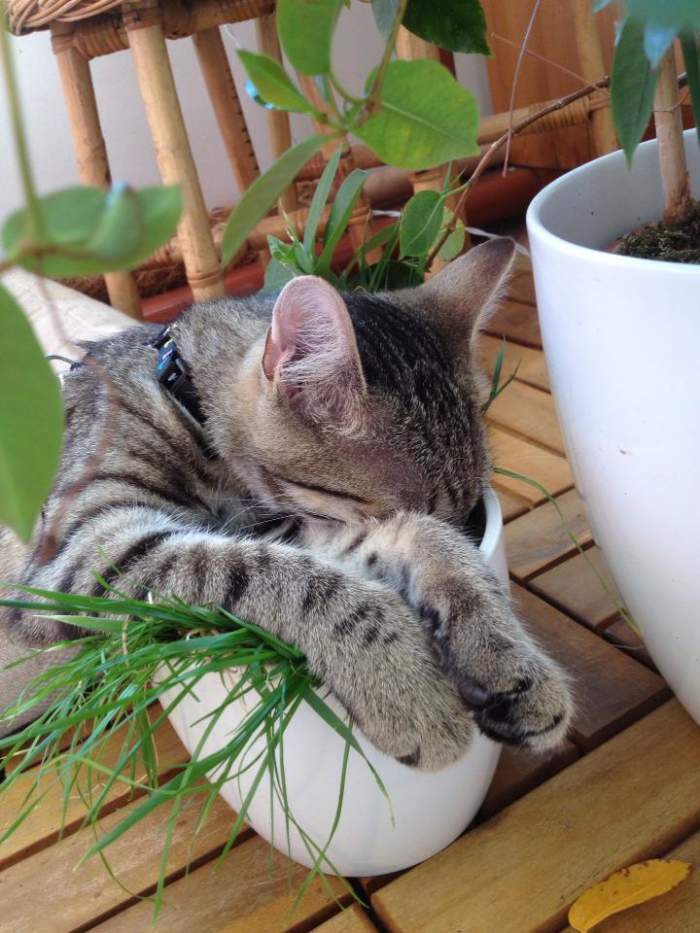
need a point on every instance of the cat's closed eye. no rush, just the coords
(320, 500)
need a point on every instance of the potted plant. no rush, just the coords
(621, 335)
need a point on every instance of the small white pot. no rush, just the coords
(430, 810)
(622, 342)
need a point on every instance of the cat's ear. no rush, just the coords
(310, 355)
(461, 298)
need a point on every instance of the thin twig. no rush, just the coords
(516, 75)
(540, 58)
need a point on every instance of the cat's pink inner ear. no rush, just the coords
(311, 337)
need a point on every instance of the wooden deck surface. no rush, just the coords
(624, 787)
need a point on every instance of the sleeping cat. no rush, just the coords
(312, 476)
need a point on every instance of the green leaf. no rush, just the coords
(323, 189)
(425, 117)
(273, 83)
(681, 15)
(68, 217)
(396, 275)
(657, 39)
(161, 207)
(88, 231)
(457, 25)
(384, 15)
(263, 193)
(454, 244)
(689, 44)
(341, 211)
(305, 29)
(420, 224)
(632, 87)
(120, 230)
(277, 275)
(31, 421)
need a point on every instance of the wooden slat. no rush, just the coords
(519, 771)
(530, 364)
(42, 826)
(519, 872)
(515, 454)
(611, 690)
(517, 322)
(540, 538)
(577, 587)
(45, 892)
(622, 635)
(511, 505)
(675, 912)
(529, 412)
(251, 891)
(522, 287)
(352, 920)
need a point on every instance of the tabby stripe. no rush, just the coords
(319, 591)
(130, 479)
(159, 573)
(99, 511)
(131, 556)
(174, 443)
(175, 475)
(348, 623)
(354, 544)
(238, 580)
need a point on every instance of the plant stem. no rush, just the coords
(343, 91)
(22, 150)
(669, 132)
(386, 58)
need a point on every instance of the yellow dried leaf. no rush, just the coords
(626, 888)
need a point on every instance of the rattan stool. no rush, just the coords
(84, 29)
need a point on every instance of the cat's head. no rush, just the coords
(357, 405)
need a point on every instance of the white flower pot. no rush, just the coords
(430, 810)
(622, 342)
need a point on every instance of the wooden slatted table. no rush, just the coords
(624, 787)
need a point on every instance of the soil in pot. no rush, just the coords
(667, 242)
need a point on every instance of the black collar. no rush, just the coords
(173, 373)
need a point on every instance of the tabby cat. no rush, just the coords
(320, 494)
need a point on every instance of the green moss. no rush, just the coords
(669, 243)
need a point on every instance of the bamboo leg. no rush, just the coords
(90, 149)
(173, 152)
(593, 68)
(224, 98)
(669, 131)
(278, 120)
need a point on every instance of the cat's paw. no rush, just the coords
(391, 684)
(535, 713)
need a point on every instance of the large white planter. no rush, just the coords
(430, 810)
(622, 342)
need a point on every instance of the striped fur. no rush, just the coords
(390, 603)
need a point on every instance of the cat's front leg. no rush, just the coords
(518, 693)
(359, 636)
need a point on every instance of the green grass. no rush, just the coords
(109, 684)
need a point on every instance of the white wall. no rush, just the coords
(124, 123)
